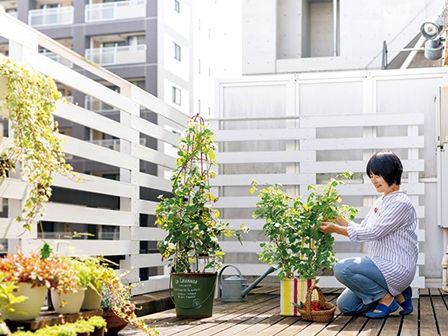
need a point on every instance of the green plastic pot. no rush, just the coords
(193, 294)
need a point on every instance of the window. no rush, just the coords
(53, 5)
(177, 52)
(177, 97)
(177, 6)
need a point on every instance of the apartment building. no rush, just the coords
(285, 36)
(147, 42)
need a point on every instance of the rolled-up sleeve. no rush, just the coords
(389, 218)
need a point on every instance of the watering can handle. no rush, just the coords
(220, 275)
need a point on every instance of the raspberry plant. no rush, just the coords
(296, 245)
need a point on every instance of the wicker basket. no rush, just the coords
(324, 315)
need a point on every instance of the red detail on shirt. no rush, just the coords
(375, 210)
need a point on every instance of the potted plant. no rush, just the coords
(8, 297)
(97, 275)
(99, 324)
(28, 100)
(118, 310)
(30, 275)
(68, 286)
(296, 247)
(193, 227)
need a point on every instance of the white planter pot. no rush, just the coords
(292, 292)
(69, 303)
(30, 308)
(92, 300)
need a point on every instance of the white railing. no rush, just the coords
(117, 55)
(113, 143)
(115, 10)
(57, 58)
(96, 105)
(13, 14)
(128, 130)
(50, 16)
(108, 143)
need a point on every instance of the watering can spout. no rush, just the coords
(234, 288)
(257, 281)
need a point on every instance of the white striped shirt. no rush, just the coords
(390, 228)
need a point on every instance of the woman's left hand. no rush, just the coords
(327, 227)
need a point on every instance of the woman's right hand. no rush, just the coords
(341, 221)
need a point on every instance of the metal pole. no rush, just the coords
(335, 27)
(384, 58)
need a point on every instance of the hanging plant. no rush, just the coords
(28, 102)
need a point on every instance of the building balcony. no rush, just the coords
(108, 143)
(50, 16)
(57, 58)
(117, 55)
(13, 13)
(113, 144)
(115, 10)
(97, 105)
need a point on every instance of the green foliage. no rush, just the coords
(296, 245)
(97, 322)
(29, 103)
(7, 297)
(193, 227)
(67, 329)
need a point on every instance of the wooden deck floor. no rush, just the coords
(260, 316)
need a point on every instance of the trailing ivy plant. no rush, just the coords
(296, 245)
(29, 103)
(193, 227)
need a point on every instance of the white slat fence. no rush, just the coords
(24, 43)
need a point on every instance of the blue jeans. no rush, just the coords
(365, 285)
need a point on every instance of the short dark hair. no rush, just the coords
(387, 165)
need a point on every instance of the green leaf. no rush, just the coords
(45, 251)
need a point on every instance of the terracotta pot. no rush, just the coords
(114, 323)
(30, 308)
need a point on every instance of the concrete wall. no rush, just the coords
(279, 36)
(345, 94)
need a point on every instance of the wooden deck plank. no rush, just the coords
(410, 322)
(440, 310)
(392, 325)
(229, 312)
(372, 328)
(275, 327)
(220, 309)
(427, 318)
(229, 321)
(259, 316)
(295, 328)
(355, 324)
(260, 320)
(335, 326)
